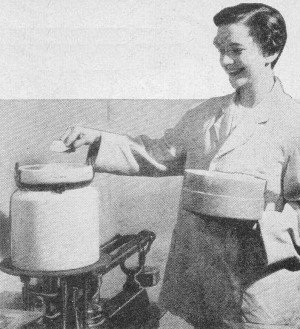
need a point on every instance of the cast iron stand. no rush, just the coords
(71, 298)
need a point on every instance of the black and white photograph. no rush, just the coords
(149, 164)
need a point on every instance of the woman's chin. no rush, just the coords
(237, 82)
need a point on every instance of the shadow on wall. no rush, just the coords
(5, 227)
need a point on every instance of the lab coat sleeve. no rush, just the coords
(144, 156)
(280, 230)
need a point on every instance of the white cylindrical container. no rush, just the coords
(55, 218)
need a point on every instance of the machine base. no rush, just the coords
(72, 299)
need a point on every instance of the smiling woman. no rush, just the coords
(250, 44)
(227, 272)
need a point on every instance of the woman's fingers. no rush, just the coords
(78, 136)
(59, 146)
(80, 141)
(66, 134)
(71, 135)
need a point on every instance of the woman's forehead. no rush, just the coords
(233, 34)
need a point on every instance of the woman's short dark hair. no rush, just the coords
(266, 24)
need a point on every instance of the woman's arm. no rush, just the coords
(280, 230)
(124, 155)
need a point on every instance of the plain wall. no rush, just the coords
(111, 49)
(129, 204)
(123, 49)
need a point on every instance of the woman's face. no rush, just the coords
(240, 56)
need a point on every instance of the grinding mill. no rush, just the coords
(60, 256)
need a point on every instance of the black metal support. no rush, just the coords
(25, 292)
(71, 299)
(64, 295)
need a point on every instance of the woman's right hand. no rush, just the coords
(77, 136)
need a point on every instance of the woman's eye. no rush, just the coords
(237, 51)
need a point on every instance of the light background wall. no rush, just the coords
(122, 49)
(128, 204)
(105, 50)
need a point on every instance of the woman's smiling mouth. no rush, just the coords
(235, 72)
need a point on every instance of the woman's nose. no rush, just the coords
(225, 60)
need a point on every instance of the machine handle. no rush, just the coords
(132, 244)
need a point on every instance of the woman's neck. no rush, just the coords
(253, 93)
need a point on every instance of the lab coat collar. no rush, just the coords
(263, 110)
(260, 114)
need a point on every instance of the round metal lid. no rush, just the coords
(54, 173)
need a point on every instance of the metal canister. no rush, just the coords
(55, 217)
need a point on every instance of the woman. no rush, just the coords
(228, 274)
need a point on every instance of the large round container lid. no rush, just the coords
(226, 195)
(54, 173)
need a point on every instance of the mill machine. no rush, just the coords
(55, 241)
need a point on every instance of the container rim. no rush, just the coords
(54, 173)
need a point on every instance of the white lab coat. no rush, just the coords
(227, 273)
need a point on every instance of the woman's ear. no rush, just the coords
(270, 58)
